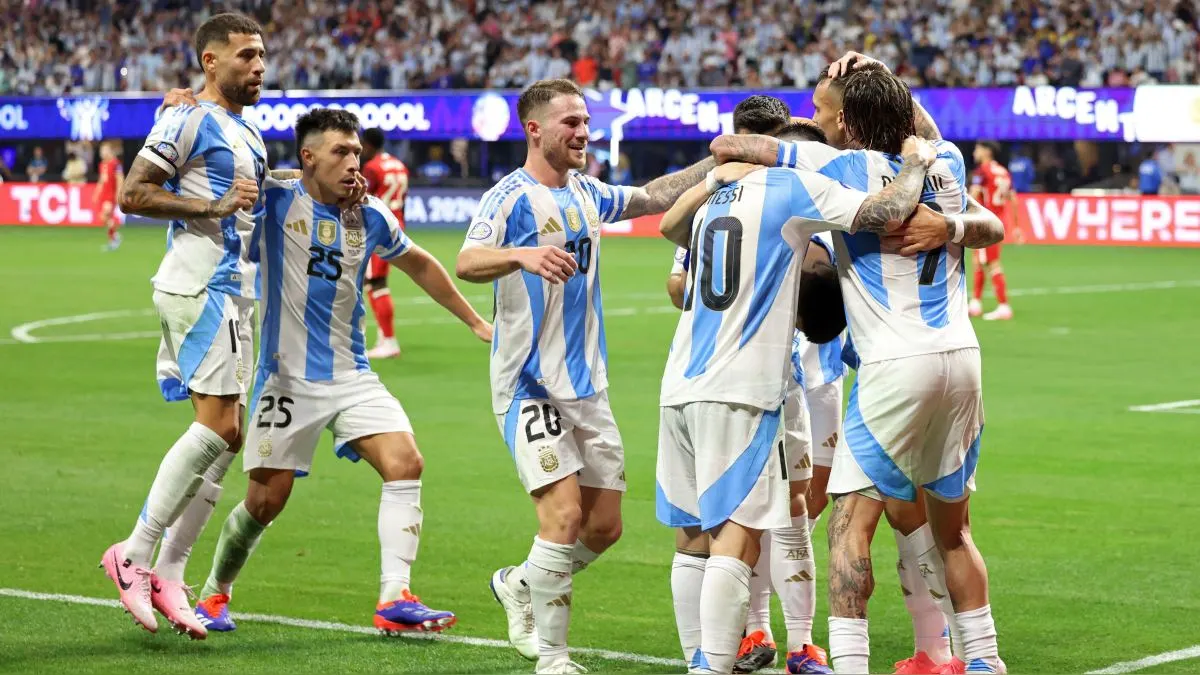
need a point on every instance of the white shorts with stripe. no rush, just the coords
(913, 421)
(797, 434)
(288, 415)
(720, 462)
(550, 440)
(207, 344)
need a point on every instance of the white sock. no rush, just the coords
(177, 540)
(978, 632)
(933, 572)
(724, 602)
(400, 519)
(928, 622)
(178, 479)
(794, 575)
(759, 615)
(812, 525)
(516, 581)
(239, 536)
(849, 646)
(687, 577)
(548, 573)
(581, 557)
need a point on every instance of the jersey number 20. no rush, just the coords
(731, 267)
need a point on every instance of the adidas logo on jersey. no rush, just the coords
(551, 227)
(297, 226)
(563, 600)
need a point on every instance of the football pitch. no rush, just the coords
(1085, 513)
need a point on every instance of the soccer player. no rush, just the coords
(105, 197)
(312, 243)
(200, 168)
(719, 469)
(387, 179)
(903, 308)
(536, 236)
(992, 186)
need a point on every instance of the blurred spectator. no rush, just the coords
(76, 169)
(35, 170)
(1149, 176)
(436, 169)
(1189, 173)
(1021, 169)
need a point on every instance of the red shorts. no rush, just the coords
(991, 254)
(377, 268)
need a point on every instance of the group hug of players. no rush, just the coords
(868, 179)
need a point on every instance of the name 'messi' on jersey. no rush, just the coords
(734, 340)
(548, 338)
(203, 148)
(312, 258)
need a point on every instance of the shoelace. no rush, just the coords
(143, 584)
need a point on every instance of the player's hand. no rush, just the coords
(919, 149)
(850, 61)
(358, 195)
(179, 97)
(548, 262)
(924, 230)
(241, 195)
(731, 172)
(483, 331)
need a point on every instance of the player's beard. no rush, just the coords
(562, 156)
(241, 94)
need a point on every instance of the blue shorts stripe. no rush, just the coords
(871, 457)
(954, 485)
(199, 340)
(728, 492)
(668, 514)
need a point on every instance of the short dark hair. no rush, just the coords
(542, 92)
(760, 114)
(373, 137)
(821, 311)
(319, 120)
(990, 145)
(838, 84)
(218, 29)
(877, 109)
(801, 131)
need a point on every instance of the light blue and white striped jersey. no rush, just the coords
(312, 258)
(548, 339)
(734, 338)
(897, 306)
(204, 148)
(817, 365)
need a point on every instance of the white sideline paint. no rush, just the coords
(1156, 660)
(348, 628)
(23, 334)
(1190, 407)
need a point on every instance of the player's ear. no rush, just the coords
(533, 128)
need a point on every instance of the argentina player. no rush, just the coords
(904, 312)
(537, 237)
(724, 384)
(313, 243)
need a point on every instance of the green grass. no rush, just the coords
(1083, 510)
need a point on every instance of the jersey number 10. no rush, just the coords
(705, 239)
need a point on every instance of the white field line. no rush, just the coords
(23, 334)
(348, 628)
(1192, 407)
(1156, 660)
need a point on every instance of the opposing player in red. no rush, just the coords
(105, 196)
(387, 178)
(991, 185)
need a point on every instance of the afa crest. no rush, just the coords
(264, 448)
(548, 459)
(327, 232)
(573, 220)
(354, 237)
(593, 216)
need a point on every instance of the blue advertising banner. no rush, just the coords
(1023, 113)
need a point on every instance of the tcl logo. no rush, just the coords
(1114, 221)
(47, 204)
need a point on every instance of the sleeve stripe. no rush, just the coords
(620, 203)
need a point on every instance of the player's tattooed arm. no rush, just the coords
(897, 201)
(926, 127)
(286, 174)
(851, 578)
(751, 148)
(142, 194)
(659, 194)
(927, 229)
(676, 223)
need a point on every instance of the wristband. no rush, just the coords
(710, 182)
(959, 229)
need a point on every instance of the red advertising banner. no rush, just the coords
(62, 204)
(1120, 220)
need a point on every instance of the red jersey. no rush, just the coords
(110, 170)
(387, 178)
(996, 183)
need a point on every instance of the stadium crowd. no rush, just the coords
(52, 47)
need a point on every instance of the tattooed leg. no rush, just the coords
(851, 579)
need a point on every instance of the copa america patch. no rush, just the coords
(166, 150)
(480, 231)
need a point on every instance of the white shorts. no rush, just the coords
(913, 421)
(720, 462)
(825, 419)
(288, 414)
(797, 434)
(550, 440)
(207, 344)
